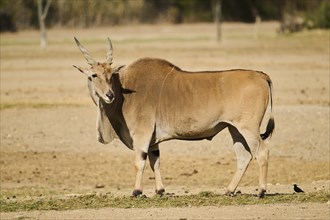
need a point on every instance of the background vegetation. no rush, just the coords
(22, 14)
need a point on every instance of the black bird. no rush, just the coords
(297, 189)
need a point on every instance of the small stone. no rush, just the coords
(99, 186)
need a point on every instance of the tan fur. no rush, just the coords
(187, 105)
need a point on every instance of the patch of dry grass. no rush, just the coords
(201, 199)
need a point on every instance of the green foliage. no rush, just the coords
(108, 200)
(318, 16)
(322, 15)
(89, 13)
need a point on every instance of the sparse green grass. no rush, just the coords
(4, 106)
(23, 42)
(69, 41)
(201, 199)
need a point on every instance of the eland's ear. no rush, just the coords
(82, 70)
(117, 68)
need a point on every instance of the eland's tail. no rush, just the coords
(271, 122)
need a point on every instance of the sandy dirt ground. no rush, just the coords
(282, 211)
(48, 135)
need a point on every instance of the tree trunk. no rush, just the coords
(218, 18)
(42, 14)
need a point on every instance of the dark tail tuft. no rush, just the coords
(269, 130)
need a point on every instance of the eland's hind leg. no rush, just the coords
(262, 158)
(243, 143)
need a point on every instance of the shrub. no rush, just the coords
(322, 15)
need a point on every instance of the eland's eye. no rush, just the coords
(92, 76)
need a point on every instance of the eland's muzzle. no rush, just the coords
(110, 96)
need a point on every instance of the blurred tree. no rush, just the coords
(218, 18)
(20, 12)
(42, 14)
(6, 22)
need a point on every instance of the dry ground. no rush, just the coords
(48, 136)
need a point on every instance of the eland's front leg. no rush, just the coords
(140, 162)
(154, 158)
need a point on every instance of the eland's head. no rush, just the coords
(99, 74)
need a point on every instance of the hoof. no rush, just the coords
(160, 192)
(262, 193)
(137, 193)
(231, 194)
